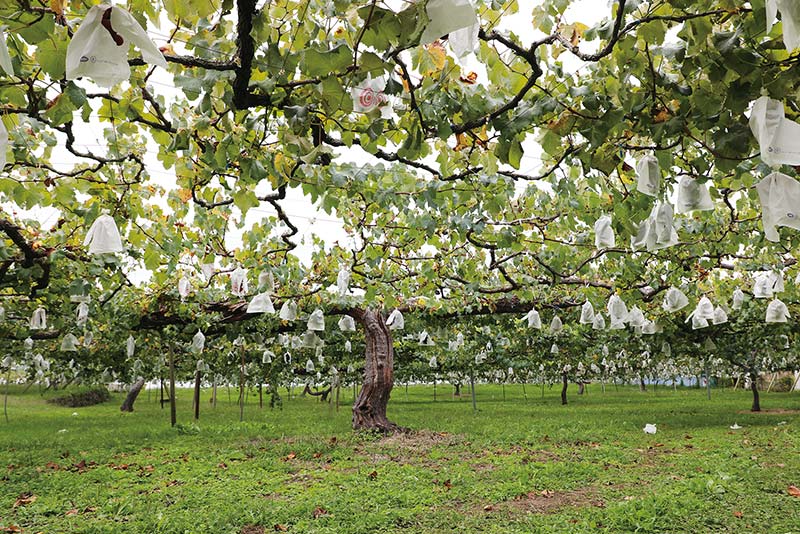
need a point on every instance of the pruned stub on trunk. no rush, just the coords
(369, 410)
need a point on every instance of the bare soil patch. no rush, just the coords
(549, 502)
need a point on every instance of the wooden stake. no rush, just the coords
(172, 407)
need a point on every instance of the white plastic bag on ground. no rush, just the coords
(395, 320)
(198, 342)
(239, 283)
(534, 321)
(692, 196)
(39, 319)
(604, 233)
(650, 428)
(777, 312)
(99, 48)
(288, 311)
(261, 303)
(130, 346)
(780, 203)
(778, 137)
(587, 313)
(556, 326)
(675, 300)
(790, 19)
(648, 176)
(448, 16)
(103, 236)
(5, 57)
(316, 321)
(347, 324)
(69, 343)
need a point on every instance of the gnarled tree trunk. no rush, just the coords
(127, 405)
(369, 410)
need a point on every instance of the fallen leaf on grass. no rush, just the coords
(794, 491)
(10, 528)
(319, 511)
(290, 456)
(373, 475)
(222, 465)
(488, 508)
(317, 455)
(280, 528)
(738, 514)
(73, 511)
(24, 499)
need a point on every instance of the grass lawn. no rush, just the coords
(519, 465)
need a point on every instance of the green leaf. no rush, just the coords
(321, 62)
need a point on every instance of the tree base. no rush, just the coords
(136, 388)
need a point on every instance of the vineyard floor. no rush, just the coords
(518, 465)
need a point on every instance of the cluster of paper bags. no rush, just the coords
(766, 285)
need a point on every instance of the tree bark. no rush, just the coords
(369, 410)
(564, 384)
(197, 380)
(136, 388)
(754, 388)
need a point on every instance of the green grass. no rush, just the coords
(519, 465)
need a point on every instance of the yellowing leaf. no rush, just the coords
(573, 32)
(58, 6)
(662, 116)
(433, 59)
(184, 194)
